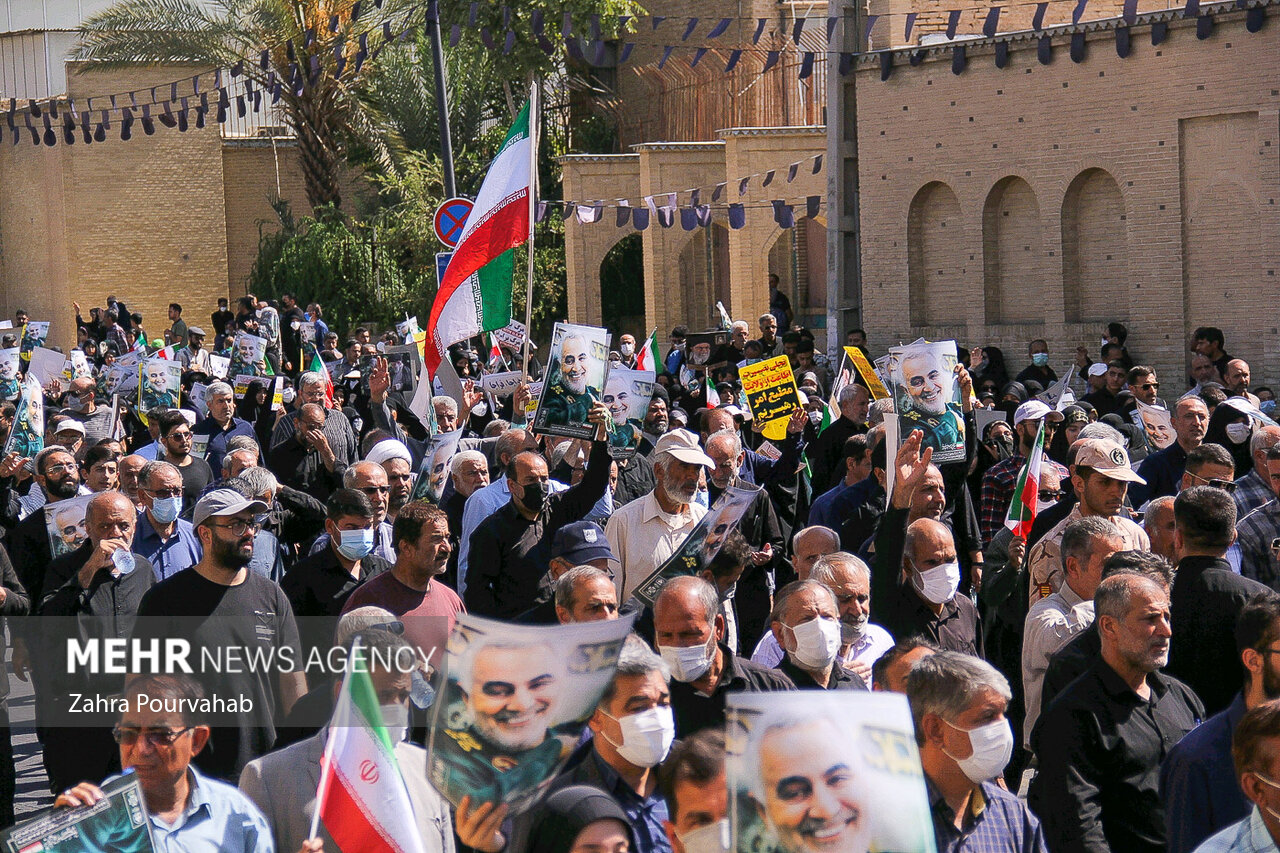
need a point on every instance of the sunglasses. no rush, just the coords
(157, 737)
(1225, 485)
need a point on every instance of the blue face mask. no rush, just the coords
(166, 510)
(355, 544)
(1040, 359)
(700, 498)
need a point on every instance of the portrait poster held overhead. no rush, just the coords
(248, 353)
(627, 393)
(770, 390)
(34, 334)
(813, 770)
(1157, 423)
(9, 378)
(702, 544)
(704, 352)
(576, 368)
(64, 522)
(219, 365)
(433, 474)
(404, 363)
(26, 437)
(159, 384)
(927, 396)
(116, 823)
(513, 704)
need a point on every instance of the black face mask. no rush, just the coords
(535, 495)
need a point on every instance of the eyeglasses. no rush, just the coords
(1225, 485)
(164, 493)
(180, 436)
(376, 490)
(156, 737)
(62, 468)
(1149, 386)
(239, 526)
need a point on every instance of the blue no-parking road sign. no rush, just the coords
(449, 219)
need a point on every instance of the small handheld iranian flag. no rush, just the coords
(647, 358)
(1022, 509)
(362, 797)
(713, 396)
(317, 366)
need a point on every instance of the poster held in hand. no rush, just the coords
(858, 748)
(485, 747)
(404, 363)
(159, 384)
(576, 372)
(433, 474)
(26, 436)
(46, 365)
(219, 365)
(770, 391)
(9, 375)
(627, 394)
(34, 334)
(927, 397)
(1157, 422)
(118, 823)
(64, 523)
(868, 373)
(246, 355)
(702, 544)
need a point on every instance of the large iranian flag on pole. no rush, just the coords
(362, 797)
(475, 294)
(1022, 509)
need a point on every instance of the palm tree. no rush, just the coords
(324, 110)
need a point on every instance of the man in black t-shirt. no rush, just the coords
(176, 440)
(244, 641)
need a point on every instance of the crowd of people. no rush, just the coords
(1103, 682)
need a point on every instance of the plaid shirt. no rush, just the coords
(1255, 533)
(1251, 492)
(996, 822)
(997, 491)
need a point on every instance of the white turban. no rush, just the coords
(389, 448)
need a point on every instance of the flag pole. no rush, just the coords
(534, 120)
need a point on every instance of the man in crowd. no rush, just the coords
(958, 705)
(806, 625)
(216, 430)
(1253, 751)
(1054, 620)
(632, 730)
(56, 478)
(335, 427)
(1100, 477)
(1100, 743)
(175, 437)
(1163, 470)
(1209, 341)
(218, 603)
(692, 780)
(1106, 400)
(1000, 480)
(370, 478)
(645, 532)
(825, 453)
(318, 587)
(411, 591)
(1203, 373)
(186, 809)
(1259, 530)
(926, 600)
(509, 551)
(689, 633)
(1159, 524)
(487, 500)
(167, 541)
(93, 593)
(1038, 370)
(82, 405)
(306, 459)
(1207, 596)
(585, 594)
(1236, 380)
(1254, 488)
(194, 358)
(808, 545)
(1199, 788)
(396, 463)
(176, 333)
(129, 469)
(831, 508)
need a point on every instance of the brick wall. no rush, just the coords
(1143, 190)
(249, 168)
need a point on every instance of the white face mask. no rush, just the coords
(626, 350)
(817, 642)
(395, 717)
(1045, 506)
(851, 632)
(1238, 433)
(689, 663)
(992, 748)
(939, 584)
(646, 736)
(711, 838)
(815, 417)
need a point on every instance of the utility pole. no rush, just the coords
(844, 229)
(442, 98)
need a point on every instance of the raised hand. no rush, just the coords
(909, 468)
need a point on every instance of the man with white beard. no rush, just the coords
(570, 396)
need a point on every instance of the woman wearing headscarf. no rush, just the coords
(1232, 428)
(255, 407)
(580, 819)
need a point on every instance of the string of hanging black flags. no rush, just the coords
(352, 40)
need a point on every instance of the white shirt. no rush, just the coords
(1051, 623)
(875, 641)
(643, 537)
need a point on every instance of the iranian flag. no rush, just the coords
(475, 293)
(713, 396)
(647, 358)
(317, 366)
(362, 797)
(1022, 509)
